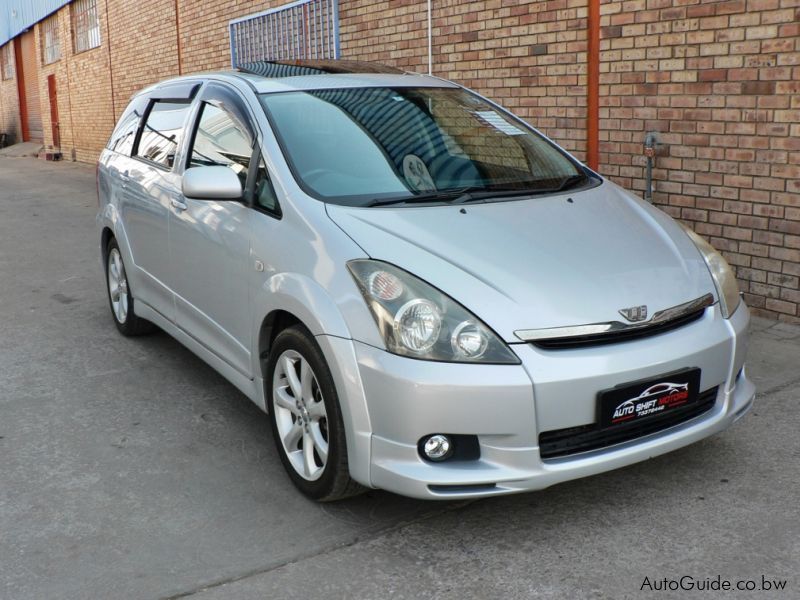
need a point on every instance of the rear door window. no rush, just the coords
(125, 133)
(162, 132)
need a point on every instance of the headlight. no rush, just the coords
(721, 272)
(415, 319)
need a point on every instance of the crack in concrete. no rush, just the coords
(778, 388)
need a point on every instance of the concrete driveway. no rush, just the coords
(129, 469)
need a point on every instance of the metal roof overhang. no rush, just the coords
(18, 15)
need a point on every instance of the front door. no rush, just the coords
(210, 240)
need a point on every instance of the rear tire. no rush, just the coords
(306, 417)
(120, 298)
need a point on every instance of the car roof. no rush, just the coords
(296, 75)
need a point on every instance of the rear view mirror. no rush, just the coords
(211, 183)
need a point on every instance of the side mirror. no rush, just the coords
(211, 183)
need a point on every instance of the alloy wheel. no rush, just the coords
(117, 286)
(300, 415)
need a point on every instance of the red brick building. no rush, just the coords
(717, 83)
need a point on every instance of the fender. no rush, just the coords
(109, 217)
(305, 299)
(312, 305)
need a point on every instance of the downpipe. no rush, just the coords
(593, 85)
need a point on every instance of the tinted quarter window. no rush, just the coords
(162, 132)
(125, 132)
(264, 193)
(220, 141)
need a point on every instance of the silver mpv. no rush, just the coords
(426, 295)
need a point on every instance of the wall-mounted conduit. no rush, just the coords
(593, 86)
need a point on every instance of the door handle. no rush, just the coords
(177, 204)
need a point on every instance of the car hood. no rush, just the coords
(555, 261)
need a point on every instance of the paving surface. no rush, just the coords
(129, 469)
(22, 149)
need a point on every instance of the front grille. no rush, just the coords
(564, 442)
(615, 337)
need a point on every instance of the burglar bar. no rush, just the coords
(307, 29)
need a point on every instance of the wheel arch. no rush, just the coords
(275, 322)
(286, 299)
(105, 238)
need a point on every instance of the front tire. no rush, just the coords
(120, 297)
(306, 418)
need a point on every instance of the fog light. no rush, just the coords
(437, 447)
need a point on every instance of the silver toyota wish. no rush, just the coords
(426, 295)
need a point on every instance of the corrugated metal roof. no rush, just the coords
(18, 15)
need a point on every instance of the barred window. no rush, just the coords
(7, 61)
(302, 29)
(85, 25)
(51, 45)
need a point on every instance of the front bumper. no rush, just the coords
(507, 406)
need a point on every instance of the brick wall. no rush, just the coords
(9, 105)
(718, 82)
(529, 56)
(204, 30)
(63, 85)
(92, 109)
(141, 55)
(83, 84)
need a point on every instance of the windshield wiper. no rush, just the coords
(460, 195)
(439, 195)
(476, 193)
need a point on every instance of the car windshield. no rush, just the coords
(358, 146)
